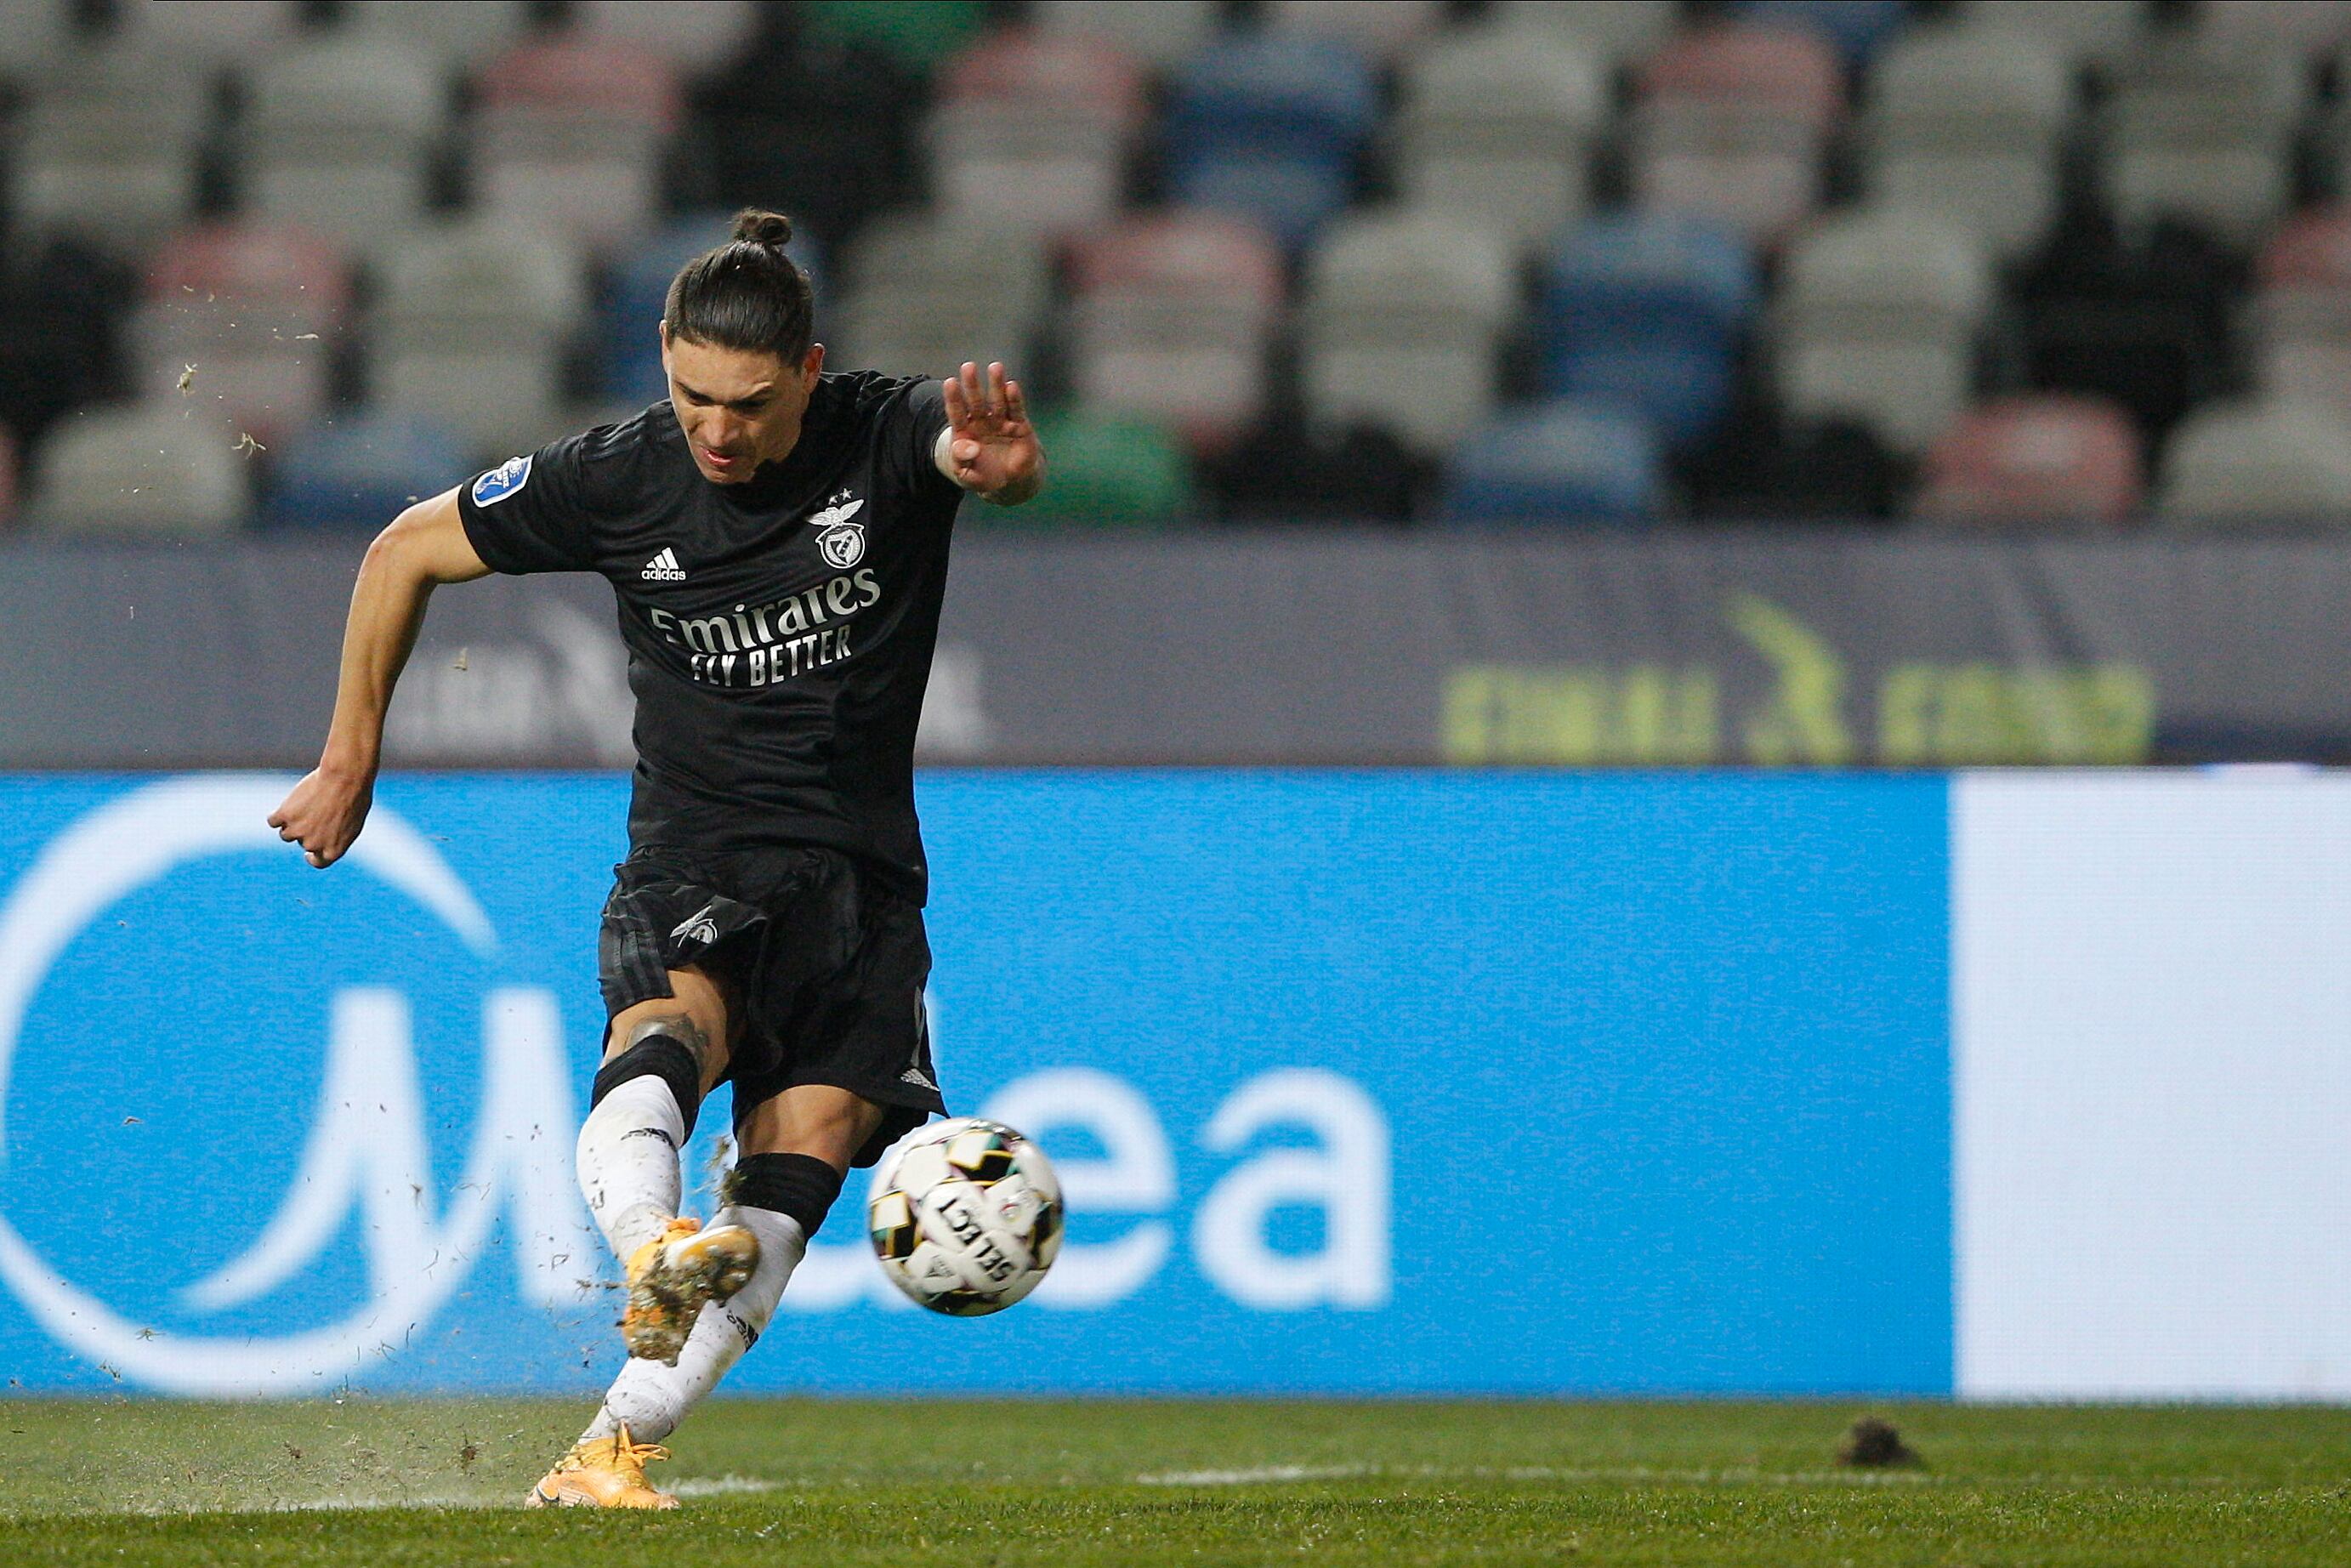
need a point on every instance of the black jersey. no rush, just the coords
(780, 631)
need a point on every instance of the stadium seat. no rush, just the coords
(1107, 472)
(691, 34)
(1876, 320)
(1648, 311)
(242, 320)
(106, 151)
(1031, 128)
(1616, 33)
(207, 34)
(471, 329)
(817, 128)
(1377, 29)
(1284, 472)
(143, 468)
(1732, 121)
(338, 137)
(1557, 462)
(356, 470)
(2301, 313)
(1965, 124)
(2080, 33)
(1270, 127)
(2199, 130)
(637, 290)
(917, 36)
(2309, 27)
(2146, 317)
(1858, 29)
(922, 293)
(1400, 317)
(568, 137)
(1498, 129)
(2043, 463)
(2257, 465)
(1162, 35)
(1170, 319)
(458, 33)
(37, 36)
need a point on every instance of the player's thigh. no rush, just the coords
(699, 1012)
(820, 1120)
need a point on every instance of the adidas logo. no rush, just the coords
(914, 1075)
(663, 567)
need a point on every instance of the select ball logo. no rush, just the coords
(966, 1216)
(839, 540)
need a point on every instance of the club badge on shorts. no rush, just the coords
(839, 540)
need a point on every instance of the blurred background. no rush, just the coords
(1591, 671)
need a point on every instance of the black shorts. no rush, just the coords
(826, 963)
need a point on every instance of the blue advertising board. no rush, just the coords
(1358, 1083)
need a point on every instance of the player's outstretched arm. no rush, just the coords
(988, 446)
(425, 546)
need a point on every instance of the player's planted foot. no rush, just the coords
(602, 1472)
(673, 1274)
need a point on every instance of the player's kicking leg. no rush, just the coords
(796, 1148)
(661, 1057)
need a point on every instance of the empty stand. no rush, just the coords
(923, 293)
(2080, 33)
(212, 33)
(1268, 126)
(1378, 30)
(1032, 129)
(1557, 462)
(339, 134)
(1170, 319)
(1614, 32)
(2257, 465)
(1401, 317)
(691, 34)
(1162, 35)
(139, 468)
(2198, 130)
(1858, 29)
(471, 329)
(1647, 311)
(1108, 471)
(361, 470)
(35, 37)
(106, 151)
(2043, 463)
(1876, 322)
(1732, 121)
(458, 33)
(2303, 312)
(1965, 124)
(1498, 128)
(568, 137)
(243, 321)
(917, 36)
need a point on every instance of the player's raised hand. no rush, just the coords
(324, 814)
(991, 447)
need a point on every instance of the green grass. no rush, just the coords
(1078, 1485)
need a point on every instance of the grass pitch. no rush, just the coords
(811, 1484)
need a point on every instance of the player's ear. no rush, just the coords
(813, 365)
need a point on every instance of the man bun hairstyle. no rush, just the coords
(745, 294)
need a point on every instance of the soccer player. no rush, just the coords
(777, 537)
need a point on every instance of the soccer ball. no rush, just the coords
(966, 1216)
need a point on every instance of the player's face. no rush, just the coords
(739, 408)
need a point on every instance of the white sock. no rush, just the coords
(627, 1160)
(652, 1398)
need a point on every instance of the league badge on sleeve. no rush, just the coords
(839, 540)
(502, 481)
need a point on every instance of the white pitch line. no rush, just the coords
(1267, 1474)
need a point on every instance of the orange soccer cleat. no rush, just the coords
(602, 1472)
(673, 1274)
